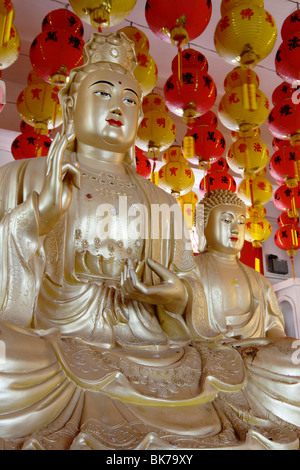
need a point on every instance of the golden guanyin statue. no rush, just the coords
(109, 339)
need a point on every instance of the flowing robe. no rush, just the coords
(262, 315)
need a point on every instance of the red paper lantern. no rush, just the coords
(209, 144)
(190, 93)
(56, 51)
(278, 144)
(207, 119)
(143, 165)
(285, 219)
(217, 180)
(30, 144)
(284, 121)
(220, 165)
(178, 21)
(287, 199)
(287, 58)
(63, 18)
(284, 165)
(291, 25)
(288, 238)
(283, 92)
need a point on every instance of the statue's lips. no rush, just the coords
(234, 239)
(113, 122)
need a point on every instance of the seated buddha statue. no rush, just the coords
(100, 299)
(241, 302)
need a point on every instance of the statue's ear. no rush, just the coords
(69, 108)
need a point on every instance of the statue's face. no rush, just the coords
(106, 110)
(225, 229)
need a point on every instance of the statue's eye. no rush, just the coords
(226, 221)
(129, 101)
(103, 93)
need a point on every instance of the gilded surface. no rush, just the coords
(114, 338)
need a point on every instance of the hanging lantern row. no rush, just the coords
(58, 48)
(284, 124)
(146, 70)
(245, 35)
(288, 55)
(157, 130)
(9, 37)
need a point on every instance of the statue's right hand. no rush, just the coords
(60, 177)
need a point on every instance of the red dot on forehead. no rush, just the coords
(120, 83)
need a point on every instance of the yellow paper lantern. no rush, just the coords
(237, 114)
(38, 105)
(10, 51)
(156, 133)
(240, 76)
(177, 178)
(246, 34)
(102, 13)
(257, 210)
(157, 130)
(188, 204)
(9, 37)
(226, 5)
(138, 37)
(257, 230)
(173, 154)
(256, 191)
(146, 70)
(154, 102)
(247, 156)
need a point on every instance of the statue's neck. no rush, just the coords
(101, 160)
(223, 257)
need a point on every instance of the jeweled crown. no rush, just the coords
(113, 48)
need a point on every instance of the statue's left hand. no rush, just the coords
(170, 292)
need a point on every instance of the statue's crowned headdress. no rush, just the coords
(112, 48)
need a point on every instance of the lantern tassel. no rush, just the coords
(293, 267)
(257, 265)
(179, 64)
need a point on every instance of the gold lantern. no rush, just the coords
(102, 13)
(245, 34)
(255, 191)
(157, 130)
(247, 156)
(145, 71)
(9, 37)
(177, 178)
(188, 204)
(38, 105)
(243, 107)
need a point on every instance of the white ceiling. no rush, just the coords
(29, 15)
